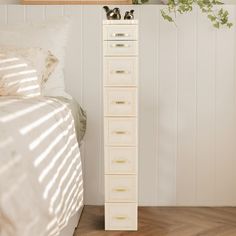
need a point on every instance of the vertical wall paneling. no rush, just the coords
(156, 103)
(74, 68)
(15, 13)
(234, 164)
(148, 75)
(185, 176)
(167, 113)
(187, 151)
(101, 138)
(3, 14)
(35, 13)
(224, 113)
(205, 140)
(54, 11)
(92, 56)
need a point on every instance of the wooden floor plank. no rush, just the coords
(166, 221)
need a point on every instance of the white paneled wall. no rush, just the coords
(187, 102)
(18, 1)
(149, 2)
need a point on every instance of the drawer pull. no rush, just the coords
(120, 161)
(120, 102)
(120, 45)
(120, 190)
(120, 132)
(120, 71)
(120, 35)
(121, 217)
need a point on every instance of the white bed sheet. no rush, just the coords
(41, 184)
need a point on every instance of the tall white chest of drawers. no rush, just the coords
(120, 90)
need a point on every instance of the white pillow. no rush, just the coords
(17, 77)
(43, 61)
(49, 35)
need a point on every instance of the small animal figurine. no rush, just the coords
(112, 14)
(129, 15)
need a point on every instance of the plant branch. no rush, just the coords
(218, 17)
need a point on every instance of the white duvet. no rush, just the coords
(40, 167)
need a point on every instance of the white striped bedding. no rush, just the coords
(40, 167)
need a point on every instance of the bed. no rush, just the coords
(41, 132)
(41, 184)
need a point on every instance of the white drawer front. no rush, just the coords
(121, 216)
(120, 32)
(120, 131)
(120, 160)
(120, 101)
(120, 48)
(120, 188)
(120, 71)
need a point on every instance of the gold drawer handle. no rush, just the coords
(120, 45)
(120, 190)
(120, 102)
(120, 132)
(120, 35)
(120, 161)
(120, 71)
(121, 217)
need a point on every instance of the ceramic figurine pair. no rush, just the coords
(114, 14)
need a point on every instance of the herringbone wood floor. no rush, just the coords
(165, 221)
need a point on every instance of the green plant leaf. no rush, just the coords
(166, 17)
(217, 17)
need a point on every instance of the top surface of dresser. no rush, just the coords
(120, 22)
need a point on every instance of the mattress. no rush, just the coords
(79, 116)
(41, 185)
